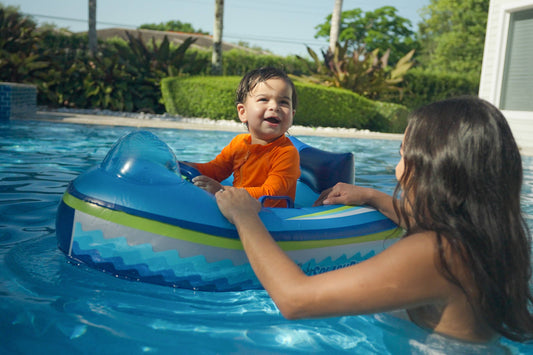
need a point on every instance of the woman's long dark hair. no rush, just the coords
(462, 180)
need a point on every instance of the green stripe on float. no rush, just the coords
(192, 236)
(150, 225)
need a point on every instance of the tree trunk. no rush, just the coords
(216, 59)
(92, 27)
(335, 25)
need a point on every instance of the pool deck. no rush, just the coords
(209, 125)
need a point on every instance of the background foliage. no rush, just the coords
(452, 35)
(19, 59)
(424, 86)
(365, 73)
(214, 97)
(126, 75)
(367, 31)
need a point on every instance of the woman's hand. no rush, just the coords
(347, 194)
(207, 184)
(234, 202)
(343, 194)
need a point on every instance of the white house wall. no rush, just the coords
(521, 122)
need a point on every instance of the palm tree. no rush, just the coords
(216, 59)
(335, 25)
(92, 27)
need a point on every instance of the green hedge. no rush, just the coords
(213, 97)
(332, 107)
(423, 87)
(201, 96)
(392, 118)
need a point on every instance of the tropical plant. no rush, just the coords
(364, 73)
(122, 76)
(68, 57)
(162, 60)
(19, 59)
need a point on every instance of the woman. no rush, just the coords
(462, 268)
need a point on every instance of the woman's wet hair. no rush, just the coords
(462, 180)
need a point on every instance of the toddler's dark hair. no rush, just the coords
(256, 76)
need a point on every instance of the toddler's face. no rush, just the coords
(267, 110)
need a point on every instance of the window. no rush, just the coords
(517, 84)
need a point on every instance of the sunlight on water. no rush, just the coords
(51, 306)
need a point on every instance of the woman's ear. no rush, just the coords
(241, 110)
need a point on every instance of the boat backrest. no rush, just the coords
(321, 169)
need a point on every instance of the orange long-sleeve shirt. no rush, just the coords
(270, 169)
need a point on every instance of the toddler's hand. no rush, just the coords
(207, 184)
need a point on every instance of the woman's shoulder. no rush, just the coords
(421, 240)
(412, 257)
(415, 259)
(425, 249)
(430, 244)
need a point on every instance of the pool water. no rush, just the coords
(50, 306)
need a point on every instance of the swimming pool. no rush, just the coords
(50, 306)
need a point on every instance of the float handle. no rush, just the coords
(188, 172)
(290, 202)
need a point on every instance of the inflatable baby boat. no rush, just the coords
(136, 215)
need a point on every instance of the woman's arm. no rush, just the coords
(347, 194)
(402, 276)
(271, 265)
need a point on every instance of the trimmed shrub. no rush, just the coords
(214, 97)
(332, 107)
(392, 118)
(201, 96)
(423, 87)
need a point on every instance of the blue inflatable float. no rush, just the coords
(136, 215)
